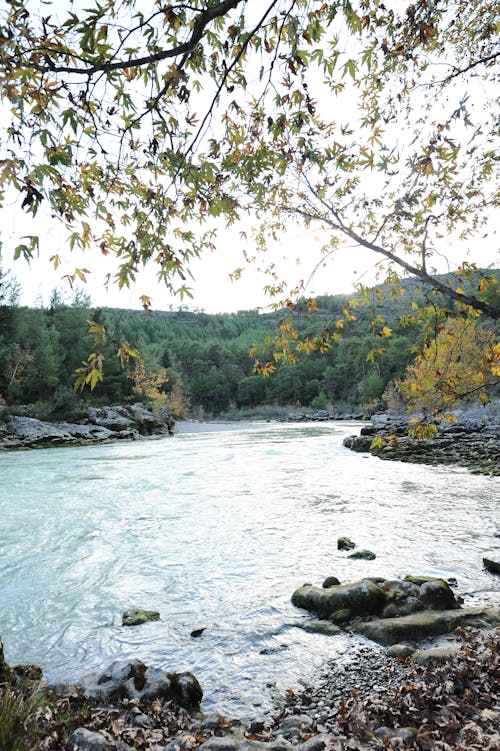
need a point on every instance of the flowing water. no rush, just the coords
(215, 529)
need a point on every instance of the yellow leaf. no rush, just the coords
(98, 329)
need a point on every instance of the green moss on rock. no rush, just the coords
(137, 616)
(425, 624)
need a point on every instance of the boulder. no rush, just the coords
(363, 597)
(134, 680)
(345, 543)
(440, 654)
(425, 624)
(492, 566)
(136, 616)
(87, 425)
(437, 595)
(363, 555)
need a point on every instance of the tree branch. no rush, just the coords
(470, 300)
(201, 22)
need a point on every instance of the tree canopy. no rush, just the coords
(145, 127)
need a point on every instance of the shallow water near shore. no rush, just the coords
(215, 529)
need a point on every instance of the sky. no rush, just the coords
(298, 257)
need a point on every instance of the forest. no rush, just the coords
(204, 365)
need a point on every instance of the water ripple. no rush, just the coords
(215, 530)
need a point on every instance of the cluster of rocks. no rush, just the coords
(91, 425)
(304, 721)
(135, 680)
(345, 543)
(323, 415)
(470, 442)
(390, 611)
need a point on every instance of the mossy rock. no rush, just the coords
(363, 555)
(439, 654)
(137, 616)
(341, 616)
(425, 624)
(331, 581)
(362, 597)
(345, 543)
(438, 595)
(314, 626)
(419, 580)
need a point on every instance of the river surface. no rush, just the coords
(215, 529)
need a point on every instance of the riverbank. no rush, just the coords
(375, 701)
(90, 425)
(472, 441)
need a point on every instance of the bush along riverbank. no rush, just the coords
(473, 441)
(443, 696)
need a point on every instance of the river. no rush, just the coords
(215, 529)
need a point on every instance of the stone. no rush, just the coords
(256, 726)
(437, 595)
(279, 744)
(401, 650)
(137, 616)
(85, 425)
(142, 720)
(224, 743)
(197, 632)
(341, 616)
(345, 543)
(440, 654)
(83, 739)
(363, 597)
(419, 580)
(316, 743)
(406, 607)
(395, 589)
(364, 555)
(425, 624)
(330, 581)
(314, 626)
(296, 721)
(134, 680)
(492, 566)
(391, 733)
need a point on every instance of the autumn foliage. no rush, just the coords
(461, 363)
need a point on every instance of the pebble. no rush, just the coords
(363, 670)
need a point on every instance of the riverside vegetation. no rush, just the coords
(199, 364)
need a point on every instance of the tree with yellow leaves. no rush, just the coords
(461, 364)
(147, 384)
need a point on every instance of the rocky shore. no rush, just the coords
(372, 701)
(414, 694)
(88, 426)
(472, 441)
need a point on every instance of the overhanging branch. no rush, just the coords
(460, 297)
(199, 26)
